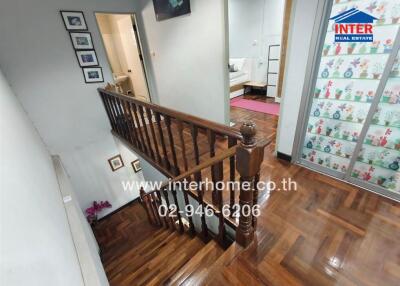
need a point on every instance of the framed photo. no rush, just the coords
(136, 166)
(93, 75)
(74, 20)
(169, 9)
(116, 163)
(87, 58)
(81, 41)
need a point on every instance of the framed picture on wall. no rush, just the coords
(74, 20)
(81, 41)
(87, 58)
(136, 166)
(93, 75)
(166, 9)
(116, 163)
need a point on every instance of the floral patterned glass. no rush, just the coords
(379, 158)
(347, 80)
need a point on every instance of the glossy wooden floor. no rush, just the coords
(325, 233)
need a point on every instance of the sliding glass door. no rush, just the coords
(353, 128)
(378, 160)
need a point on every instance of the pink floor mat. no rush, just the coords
(269, 108)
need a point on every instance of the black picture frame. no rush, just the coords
(83, 51)
(86, 33)
(113, 168)
(164, 9)
(93, 81)
(136, 166)
(70, 27)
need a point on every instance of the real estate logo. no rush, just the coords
(353, 26)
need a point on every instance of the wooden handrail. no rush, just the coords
(204, 123)
(208, 163)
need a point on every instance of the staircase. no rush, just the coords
(187, 249)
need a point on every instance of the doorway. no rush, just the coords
(122, 44)
(258, 33)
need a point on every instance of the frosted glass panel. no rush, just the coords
(379, 159)
(347, 80)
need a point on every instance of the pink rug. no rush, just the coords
(269, 108)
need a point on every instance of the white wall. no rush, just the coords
(37, 57)
(85, 243)
(253, 26)
(36, 245)
(301, 28)
(188, 58)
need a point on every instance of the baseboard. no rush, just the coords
(120, 208)
(236, 93)
(284, 156)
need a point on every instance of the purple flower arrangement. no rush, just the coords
(97, 207)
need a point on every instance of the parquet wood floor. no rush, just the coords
(325, 233)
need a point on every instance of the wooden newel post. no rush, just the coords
(249, 158)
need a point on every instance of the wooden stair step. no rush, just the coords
(135, 263)
(208, 274)
(205, 257)
(140, 252)
(174, 253)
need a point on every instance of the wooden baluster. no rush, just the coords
(255, 197)
(110, 106)
(200, 195)
(133, 127)
(152, 208)
(115, 113)
(174, 195)
(170, 220)
(108, 110)
(153, 134)
(211, 145)
(218, 177)
(249, 158)
(144, 125)
(172, 145)
(139, 129)
(128, 117)
(122, 119)
(145, 204)
(182, 143)
(195, 133)
(155, 206)
(164, 148)
(232, 142)
(192, 230)
(165, 219)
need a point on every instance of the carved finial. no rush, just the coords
(248, 130)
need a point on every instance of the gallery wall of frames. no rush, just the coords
(352, 130)
(82, 43)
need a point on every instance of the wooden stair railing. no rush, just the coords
(173, 143)
(248, 166)
(170, 140)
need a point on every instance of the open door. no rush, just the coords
(122, 44)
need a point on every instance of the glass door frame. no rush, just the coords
(313, 64)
